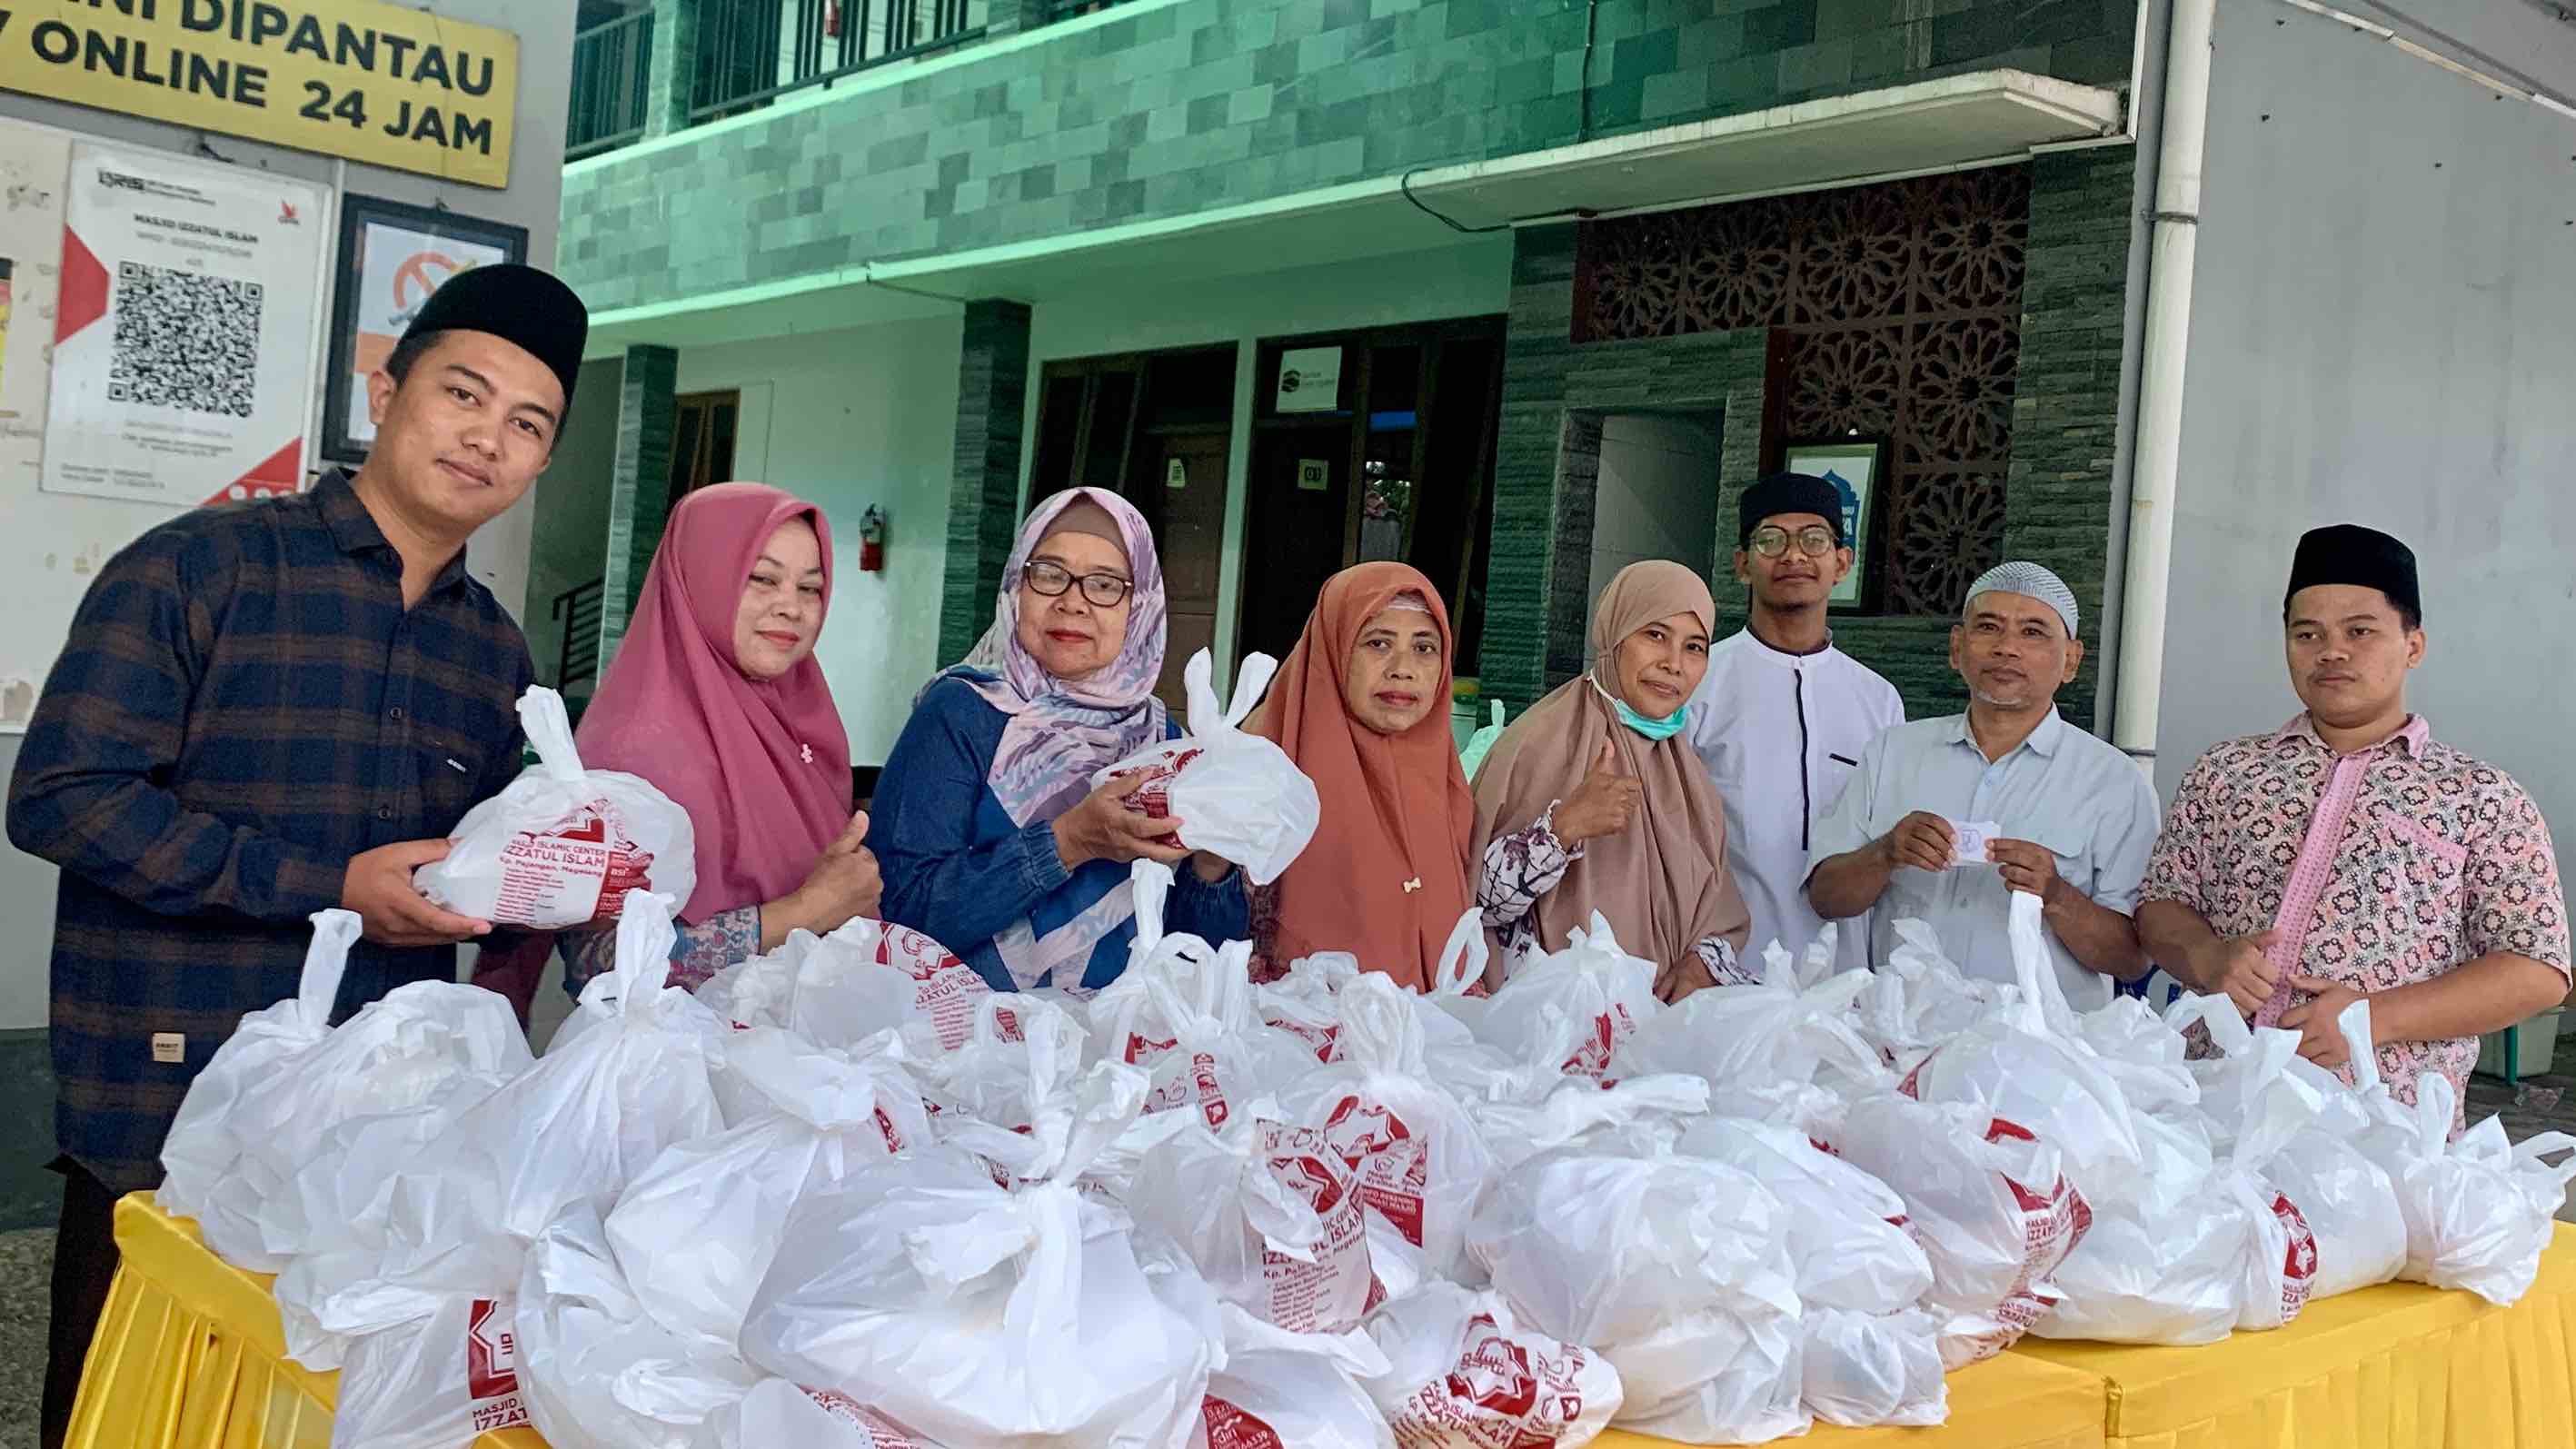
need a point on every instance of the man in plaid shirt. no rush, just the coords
(270, 709)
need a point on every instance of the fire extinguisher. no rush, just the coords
(872, 529)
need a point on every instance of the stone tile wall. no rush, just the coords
(1178, 107)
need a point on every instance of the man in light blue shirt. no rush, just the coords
(2073, 818)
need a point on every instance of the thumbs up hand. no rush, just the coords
(1606, 803)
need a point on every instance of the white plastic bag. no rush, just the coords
(1285, 1390)
(779, 1415)
(1918, 998)
(337, 1211)
(628, 1076)
(1784, 1030)
(1847, 1235)
(1420, 1161)
(1186, 1013)
(1593, 990)
(1866, 1369)
(596, 1370)
(560, 845)
(1988, 1200)
(1464, 1373)
(1271, 1216)
(979, 1314)
(695, 1230)
(434, 1383)
(2479, 1209)
(1629, 1113)
(1675, 1269)
(204, 1142)
(2190, 1249)
(277, 1088)
(2021, 1064)
(1238, 796)
(2349, 1199)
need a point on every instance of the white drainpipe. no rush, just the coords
(2158, 464)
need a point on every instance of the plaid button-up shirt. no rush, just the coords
(244, 704)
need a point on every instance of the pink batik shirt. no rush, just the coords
(2380, 868)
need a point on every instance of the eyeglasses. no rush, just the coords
(1815, 541)
(1101, 591)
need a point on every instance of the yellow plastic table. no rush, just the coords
(2400, 1366)
(189, 1354)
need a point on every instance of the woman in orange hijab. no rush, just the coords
(1362, 706)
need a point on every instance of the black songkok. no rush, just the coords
(517, 304)
(1790, 493)
(2347, 553)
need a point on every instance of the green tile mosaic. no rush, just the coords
(1297, 90)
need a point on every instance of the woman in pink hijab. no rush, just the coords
(715, 697)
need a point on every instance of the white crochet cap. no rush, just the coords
(2017, 576)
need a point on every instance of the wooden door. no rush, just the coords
(702, 436)
(1298, 528)
(1181, 486)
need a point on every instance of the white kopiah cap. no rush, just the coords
(2018, 576)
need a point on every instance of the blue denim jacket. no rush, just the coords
(956, 867)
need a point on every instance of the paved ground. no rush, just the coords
(2541, 1104)
(26, 1258)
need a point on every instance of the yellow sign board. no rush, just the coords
(357, 78)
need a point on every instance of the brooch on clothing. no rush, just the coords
(807, 751)
(1413, 885)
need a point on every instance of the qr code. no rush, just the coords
(184, 340)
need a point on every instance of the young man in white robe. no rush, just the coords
(1783, 716)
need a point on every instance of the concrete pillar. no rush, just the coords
(639, 496)
(675, 67)
(1009, 17)
(984, 492)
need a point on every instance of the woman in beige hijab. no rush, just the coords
(1593, 801)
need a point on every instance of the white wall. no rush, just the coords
(1657, 496)
(845, 420)
(1469, 280)
(94, 527)
(2384, 332)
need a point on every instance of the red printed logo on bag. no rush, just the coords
(1331, 1291)
(1211, 1092)
(2299, 1265)
(1153, 796)
(881, 1434)
(581, 870)
(1142, 1050)
(1912, 1086)
(1494, 1372)
(1359, 1130)
(945, 989)
(1501, 1395)
(1592, 1058)
(492, 1369)
(1231, 1428)
(1321, 1038)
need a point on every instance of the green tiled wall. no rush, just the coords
(1182, 106)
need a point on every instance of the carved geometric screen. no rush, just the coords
(1897, 312)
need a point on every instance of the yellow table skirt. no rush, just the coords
(2401, 1366)
(189, 1354)
(2003, 1403)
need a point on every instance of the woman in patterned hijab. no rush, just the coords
(987, 827)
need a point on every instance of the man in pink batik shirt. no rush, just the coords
(2349, 854)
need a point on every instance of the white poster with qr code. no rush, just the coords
(183, 366)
